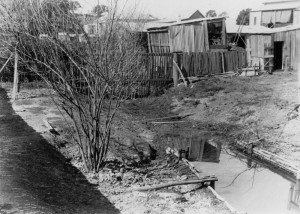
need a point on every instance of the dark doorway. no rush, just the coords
(239, 40)
(278, 48)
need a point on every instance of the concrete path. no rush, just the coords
(35, 178)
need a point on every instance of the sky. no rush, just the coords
(174, 8)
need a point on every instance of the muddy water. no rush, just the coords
(36, 178)
(247, 185)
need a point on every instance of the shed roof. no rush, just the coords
(157, 26)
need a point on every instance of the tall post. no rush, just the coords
(175, 71)
(16, 76)
(248, 52)
(298, 85)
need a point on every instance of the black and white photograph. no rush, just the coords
(149, 107)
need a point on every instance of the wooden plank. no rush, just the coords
(181, 74)
(5, 64)
(160, 186)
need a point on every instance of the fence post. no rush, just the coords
(298, 84)
(223, 63)
(248, 53)
(16, 76)
(175, 72)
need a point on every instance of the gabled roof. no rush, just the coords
(196, 15)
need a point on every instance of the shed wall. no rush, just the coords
(257, 15)
(296, 18)
(159, 42)
(291, 46)
(189, 38)
(259, 45)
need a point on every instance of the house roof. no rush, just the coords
(248, 29)
(285, 29)
(233, 28)
(261, 30)
(279, 5)
(197, 14)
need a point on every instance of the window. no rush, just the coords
(215, 33)
(255, 19)
(277, 17)
(283, 16)
(267, 17)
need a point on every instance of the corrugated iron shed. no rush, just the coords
(187, 36)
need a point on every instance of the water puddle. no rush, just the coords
(246, 184)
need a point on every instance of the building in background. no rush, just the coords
(276, 14)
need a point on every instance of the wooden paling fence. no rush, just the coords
(207, 63)
(155, 75)
(157, 70)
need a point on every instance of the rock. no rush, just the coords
(136, 158)
(129, 142)
(137, 210)
(119, 176)
(184, 177)
(140, 194)
(128, 177)
(104, 177)
(150, 152)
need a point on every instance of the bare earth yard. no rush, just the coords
(230, 109)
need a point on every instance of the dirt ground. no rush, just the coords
(124, 170)
(261, 109)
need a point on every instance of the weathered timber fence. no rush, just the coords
(157, 70)
(156, 75)
(207, 63)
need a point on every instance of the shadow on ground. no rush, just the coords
(35, 177)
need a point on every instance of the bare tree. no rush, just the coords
(92, 75)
